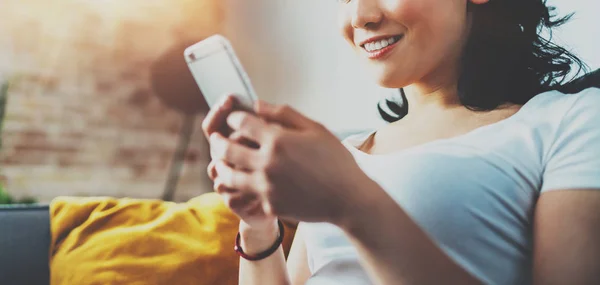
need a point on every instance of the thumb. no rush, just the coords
(282, 114)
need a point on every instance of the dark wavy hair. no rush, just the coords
(506, 58)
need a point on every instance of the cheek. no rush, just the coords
(404, 12)
(448, 20)
(434, 27)
(434, 33)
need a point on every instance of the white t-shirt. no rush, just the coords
(475, 194)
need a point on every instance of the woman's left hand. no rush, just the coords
(300, 169)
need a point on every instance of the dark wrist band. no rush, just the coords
(264, 254)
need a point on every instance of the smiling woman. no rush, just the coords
(490, 176)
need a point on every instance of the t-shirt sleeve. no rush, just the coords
(573, 159)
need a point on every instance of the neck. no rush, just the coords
(434, 93)
(423, 98)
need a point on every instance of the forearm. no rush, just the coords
(394, 249)
(269, 271)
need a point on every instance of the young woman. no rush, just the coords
(488, 175)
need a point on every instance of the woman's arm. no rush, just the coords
(567, 238)
(268, 271)
(566, 227)
(272, 270)
(395, 250)
(297, 263)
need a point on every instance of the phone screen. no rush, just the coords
(217, 75)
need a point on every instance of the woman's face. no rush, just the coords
(407, 41)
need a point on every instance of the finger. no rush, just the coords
(233, 178)
(236, 137)
(240, 203)
(239, 138)
(223, 149)
(255, 208)
(220, 188)
(216, 118)
(282, 114)
(212, 172)
(249, 126)
(248, 199)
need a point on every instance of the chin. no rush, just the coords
(388, 74)
(391, 80)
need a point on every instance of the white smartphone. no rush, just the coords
(218, 72)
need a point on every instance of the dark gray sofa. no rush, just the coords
(24, 245)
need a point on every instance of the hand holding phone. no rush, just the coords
(218, 73)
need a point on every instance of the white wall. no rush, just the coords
(294, 54)
(582, 33)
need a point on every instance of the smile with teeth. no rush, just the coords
(381, 44)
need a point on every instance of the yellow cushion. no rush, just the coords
(127, 241)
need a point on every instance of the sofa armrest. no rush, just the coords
(24, 245)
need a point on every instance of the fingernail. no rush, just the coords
(232, 98)
(226, 102)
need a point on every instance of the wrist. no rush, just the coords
(255, 239)
(259, 229)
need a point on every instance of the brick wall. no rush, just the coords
(82, 118)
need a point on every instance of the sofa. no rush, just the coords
(24, 245)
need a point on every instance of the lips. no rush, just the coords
(379, 43)
(380, 46)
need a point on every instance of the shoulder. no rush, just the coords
(555, 113)
(559, 104)
(568, 115)
(572, 159)
(585, 105)
(576, 112)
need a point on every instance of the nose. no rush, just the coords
(366, 14)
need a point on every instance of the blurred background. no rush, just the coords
(97, 96)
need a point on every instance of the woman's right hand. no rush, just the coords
(247, 206)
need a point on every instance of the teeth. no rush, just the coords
(375, 46)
